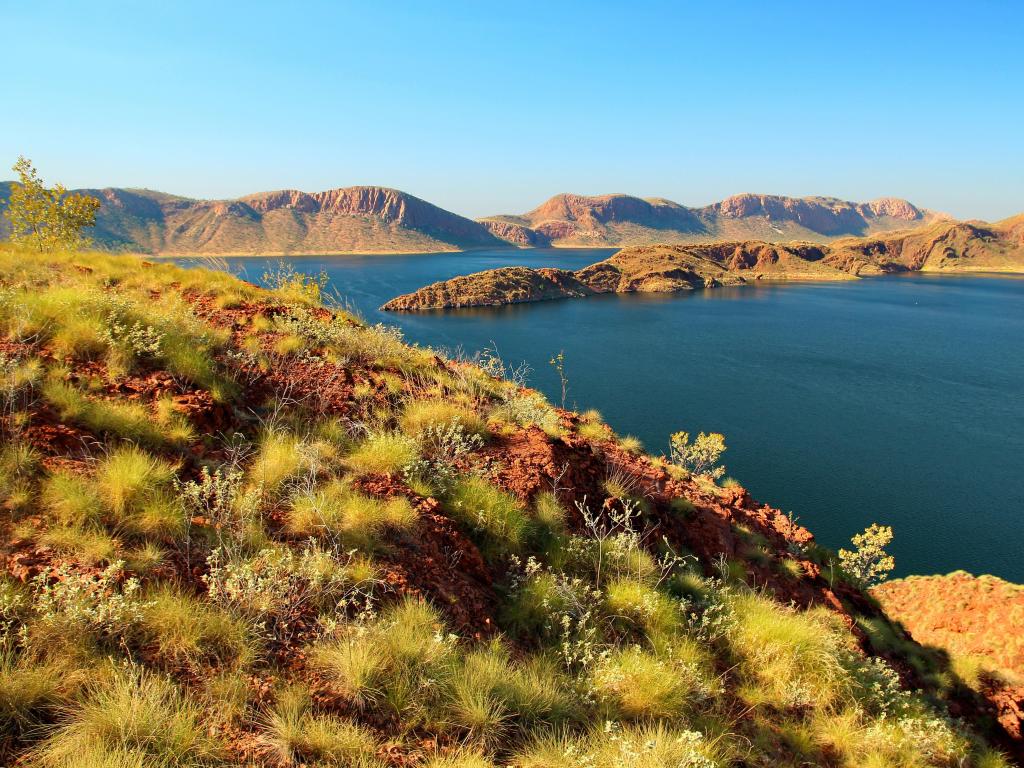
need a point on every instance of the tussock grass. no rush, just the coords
(71, 499)
(394, 664)
(297, 735)
(635, 606)
(497, 517)
(639, 746)
(635, 685)
(787, 658)
(421, 414)
(93, 546)
(488, 694)
(137, 717)
(352, 519)
(383, 453)
(183, 630)
(105, 417)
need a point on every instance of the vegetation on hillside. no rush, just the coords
(243, 528)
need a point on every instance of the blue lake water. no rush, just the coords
(898, 400)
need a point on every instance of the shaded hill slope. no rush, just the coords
(944, 246)
(978, 621)
(241, 528)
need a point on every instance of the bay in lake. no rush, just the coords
(898, 400)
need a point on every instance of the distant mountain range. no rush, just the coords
(382, 220)
(621, 220)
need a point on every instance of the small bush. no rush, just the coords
(701, 456)
(104, 605)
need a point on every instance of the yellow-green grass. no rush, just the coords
(352, 519)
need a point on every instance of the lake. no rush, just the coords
(897, 400)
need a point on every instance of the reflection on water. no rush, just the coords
(897, 400)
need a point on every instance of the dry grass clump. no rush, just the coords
(352, 519)
(383, 453)
(497, 517)
(420, 415)
(135, 719)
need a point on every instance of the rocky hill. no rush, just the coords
(238, 527)
(348, 220)
(943, 246)
(622, 220)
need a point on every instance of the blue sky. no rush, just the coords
(492, 107)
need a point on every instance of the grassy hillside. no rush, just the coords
(240, 528)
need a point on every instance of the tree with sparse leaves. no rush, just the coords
(869, 564)
(699, 457)
(47, 219)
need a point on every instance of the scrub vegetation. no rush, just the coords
(242, 527)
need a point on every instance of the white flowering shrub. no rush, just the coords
(106, 604)
(277, 586)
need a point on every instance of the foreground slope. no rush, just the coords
(239, 527)
(945, 246)
(346, 220)
(622, 220)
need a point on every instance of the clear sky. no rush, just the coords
(488, 107)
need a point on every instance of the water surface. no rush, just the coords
(898, 400)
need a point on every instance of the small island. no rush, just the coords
(943, 246)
